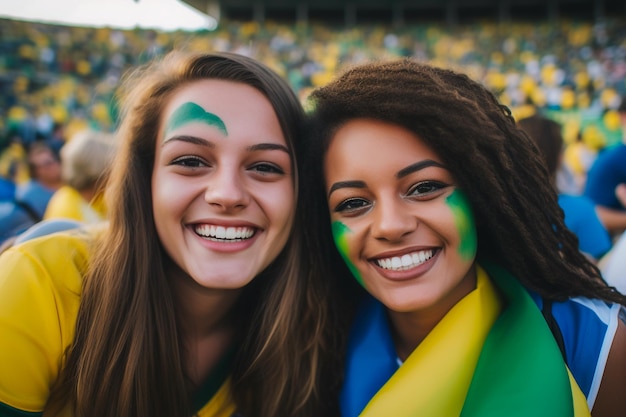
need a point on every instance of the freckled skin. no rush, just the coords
(191, 112)
(340, 231)
(464, 220)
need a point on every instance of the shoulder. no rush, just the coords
(578, 202)
(40, 285)
(65, 193)
(64, 203)
(612, 156)
(60, 259)
(577, 209)
(611, 400)
(588, 327)
(13, 220)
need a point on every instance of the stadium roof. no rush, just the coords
(357, 11)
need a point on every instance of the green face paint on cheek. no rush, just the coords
(191, 112)
(464, 220)
(340, 232)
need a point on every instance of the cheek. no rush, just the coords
(169, 200)
(278, 207)
(464, 223)
(342, 237)
(278, 203)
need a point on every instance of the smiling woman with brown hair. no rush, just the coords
(194, 299)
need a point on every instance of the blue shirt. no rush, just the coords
(606, 173)
(582, 219)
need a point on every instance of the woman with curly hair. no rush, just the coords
(445, 243)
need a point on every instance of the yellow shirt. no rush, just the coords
(40, 285)
(67, 203)
(40, 289)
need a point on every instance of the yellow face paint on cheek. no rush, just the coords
(340, 235)
(464, 220)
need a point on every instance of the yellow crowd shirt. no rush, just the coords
(67, 203)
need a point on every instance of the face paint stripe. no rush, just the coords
(340, 232)
(191, 112)
(464, 220)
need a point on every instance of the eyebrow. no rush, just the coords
(190, 139)
(203, 142)
(269, 147)
(346, 184)
(418, 166)
(402, 173)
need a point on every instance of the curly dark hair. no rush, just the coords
(519, 222)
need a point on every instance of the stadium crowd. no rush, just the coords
(58, 80)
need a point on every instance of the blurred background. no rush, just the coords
(61, 61)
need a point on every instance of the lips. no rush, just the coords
(406, 261)
(224, 233)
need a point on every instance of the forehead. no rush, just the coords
(41, 153)
(213, 93)
(374, 144)
(227, 99)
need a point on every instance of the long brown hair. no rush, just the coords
(126, 359)
(519, 222)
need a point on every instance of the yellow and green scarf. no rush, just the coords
(492, 355)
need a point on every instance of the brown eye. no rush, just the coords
(426, 188)
(351, 205)
(267, 168)
(189, 161)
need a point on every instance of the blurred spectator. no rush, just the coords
(578, 157)
(42, 228)
(13, 220)
(613, 265)
(605, 180)
(44, 167)
(580, 213)
(7, 189)
(85, 162)
(56, 139)
(13, 161)
(27, 204)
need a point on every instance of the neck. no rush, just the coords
(52, 185)
(203, 311)
(410, 328)
(206, 323)
(87, 194)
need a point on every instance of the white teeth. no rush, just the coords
(221, 233)
(407, 261)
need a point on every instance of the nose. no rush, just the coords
(392, 220)
(226, 190)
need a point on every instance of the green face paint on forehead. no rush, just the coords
(191, 112)
(340, 232)
(464, 220)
